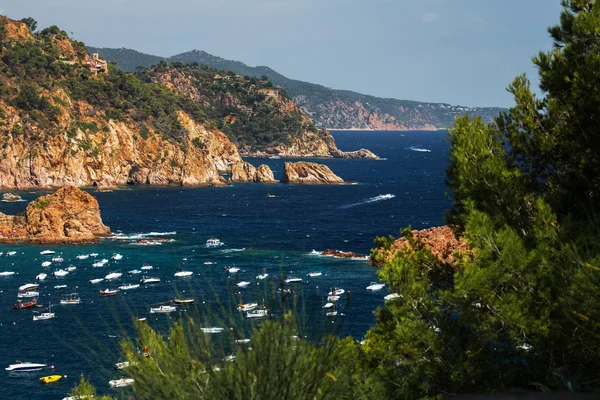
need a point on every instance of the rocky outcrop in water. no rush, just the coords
(342, 254)
(309, 173)
(68, 216)
(246, 172)
(264, 174)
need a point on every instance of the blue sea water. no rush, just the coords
(277, 234)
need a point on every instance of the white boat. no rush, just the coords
(117, 257)
(212, 330)
(392, 296)
(375, 286)
(182, 274)
(59, 273)
(146, 280)
(97, 280)
(112, 276)
(313, 274)
(247, 306)
(46, 252)
(83, 257)
(262, 276)
(108, 292)
(122, 365)
(58, 259)
(129, 287)
(243, 284)
(7, 273)
(183, 301)
(214, 242)
(274, 158)
(25, 367)
(11, 253)
(98, 264)
(28, 286)
(28, 294)
(134, 272)
(46, 264)
(257, 313)
(41, 277)
(229, 358)
(329, 305)
(293, 280)
(336, 292)
(45, 315)
(119, 383)
(72, 298)
(162, 309)
(147, 267)
(242, 340)
(333, 298)
(71, 268)
(232, 270)
(93, 254)
(331, 313)
(60, 286)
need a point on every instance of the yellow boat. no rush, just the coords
(50, 378)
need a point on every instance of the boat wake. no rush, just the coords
(225, 251)
(371, 200)
(419, 149)
(13, 201)
(135, 236)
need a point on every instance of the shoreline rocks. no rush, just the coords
(342, 254)
(303, 172)
(69, 215)
(246, 172)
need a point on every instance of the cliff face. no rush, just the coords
(309, 173)
(67, 216)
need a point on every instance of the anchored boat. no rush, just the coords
(25, 367)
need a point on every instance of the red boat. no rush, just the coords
(24, 304)
(108, 292)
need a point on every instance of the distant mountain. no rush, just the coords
(327, 108)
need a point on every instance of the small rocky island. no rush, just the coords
(309, 173)
(69, 215)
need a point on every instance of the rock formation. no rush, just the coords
(68, 216)
(246, 172)
(342, 254)
(264, 174)
(310, 173)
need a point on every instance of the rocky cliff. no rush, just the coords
(309, 173)
(68, 216)
(246, 172)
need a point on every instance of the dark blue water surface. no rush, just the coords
(278, 234)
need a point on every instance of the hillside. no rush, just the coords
(327, 108)
(67, 118)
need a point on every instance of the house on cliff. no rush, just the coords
(96, 64)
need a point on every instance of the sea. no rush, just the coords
(282, 235)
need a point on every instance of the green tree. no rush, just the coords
(31, 23)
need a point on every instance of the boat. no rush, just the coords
(213, 329)
(7, 273)
(293, 280)
(375, 286)
(59, 273)
(392, 296)
(60, 286)
(262, 276)
(11, 253)
(314, 274)
(97, 280)
(247, 306)
(208, 263)
(72, 298)
(229, 358)
(50, 379)
(329, 305)
(28, 294)
(274, 158)
(46, 264)
(184, 301)
(262, 312)
(331, 313)
(147, 267)
(333, 298)
(45, 315)
(117, 257)
(146, 280)
(24, 304)
(336, 292)
(122, 365)
(118, 383)
(83, 257)
(129, 286)
(271, 196)
(108, 292)
(243, 284)
(41, 276)
(71, 268)
(113, 275)
(93, 254)
(46, 252)
(58, 259)
(25, 367)
(214, 242)
(134, 272)
(232, 270)
(182, 274)
(28, 286)
(98, 264)
(162, 309)
(241, 341)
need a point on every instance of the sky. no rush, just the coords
(462, 52)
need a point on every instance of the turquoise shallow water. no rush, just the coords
(278, 234)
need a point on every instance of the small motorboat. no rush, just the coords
(293, 280)
(46, 264)
(257, 313)
(59, 273)
(162, 309)
(213, 329)
(134, 272)
(93, 254)
(375, 286)
(331, 313)
(11, 253)
(72, 298)
(243, 284)
(232, 270)
(46, 252)
(108, 292)
(83, 257)
(44, 315)
(271, 196)
(7, 273)
(147, 267)
(262, 276)
(333, 298)
(122, 365)
(336, 292)
(60, 286)
(112, 276)
(146, 280)
(58, 259)
(28, 286)
(242, 341)
(229, 358)
(41, 277)
(24, 304)
(129, 287)
(329, 305)
(28, 294)
(208, 263)
(71, 268)
(183, 274)
(119, 383)
(184, 301)
(25, 367)
(98, 264)
(392, 296)
(97, 280)
(247, 306)
(214, 242)
(117, 257)
(314, 274)
(50, 379)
